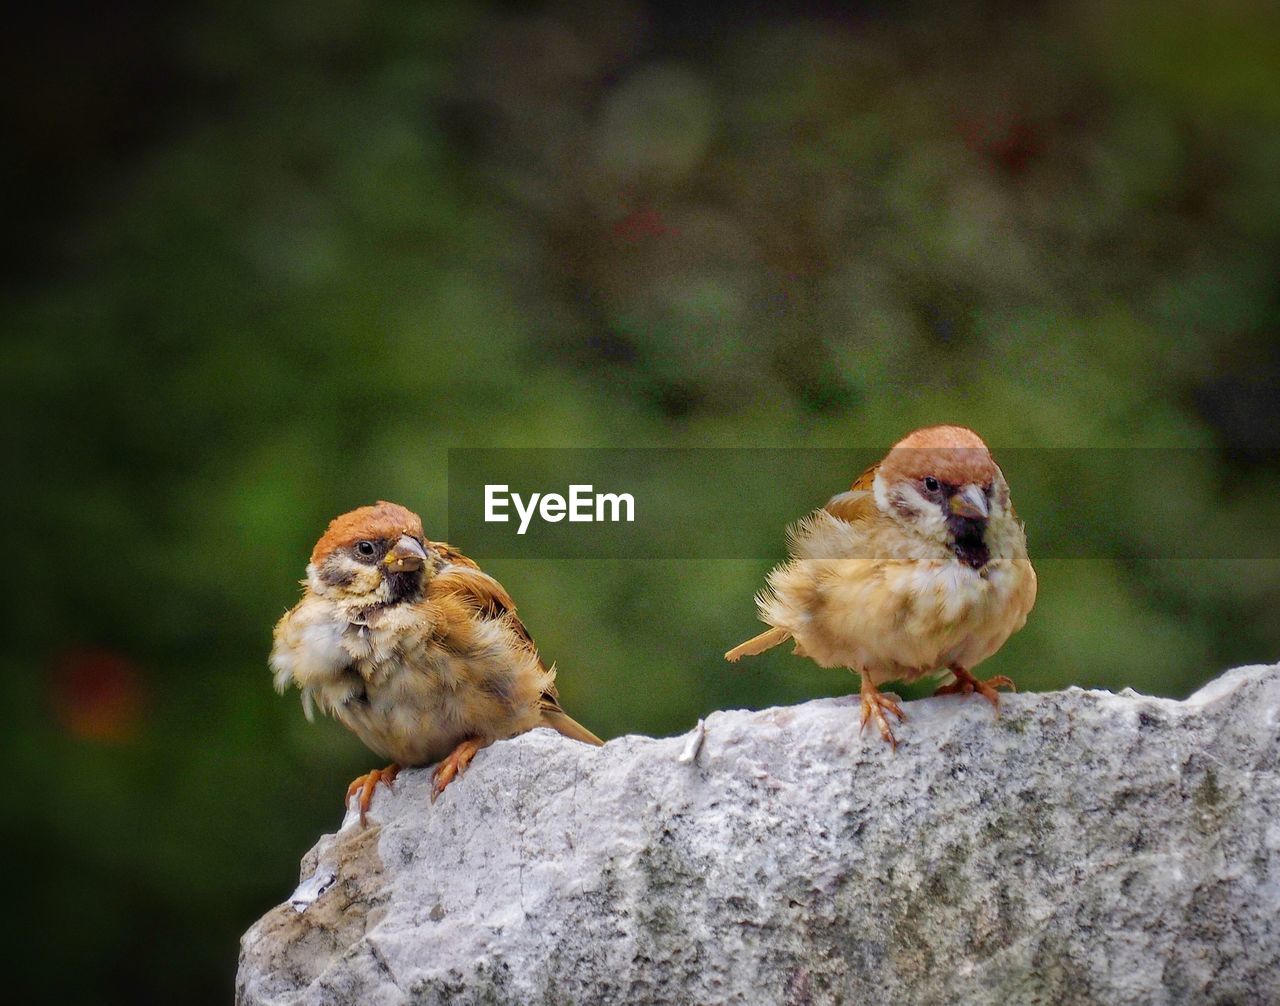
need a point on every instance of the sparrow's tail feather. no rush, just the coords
(758, 644)
(561, 722)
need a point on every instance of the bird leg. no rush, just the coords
(367, 783)
(874, 705)
(454, 764)
(965, 684)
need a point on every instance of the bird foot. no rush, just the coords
(454, 765)
(966, 684)
(874, 706)
(367, 783)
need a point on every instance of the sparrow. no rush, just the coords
(920, 569)
(411, 646)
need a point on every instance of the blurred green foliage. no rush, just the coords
(335, 240)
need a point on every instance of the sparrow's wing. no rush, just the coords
(864, 482)
(859, 502)
(461, 576)
(853, 506)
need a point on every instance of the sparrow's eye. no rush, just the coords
(930, 484)
(365, 548)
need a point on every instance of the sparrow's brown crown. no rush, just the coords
(953, 454)
(383, 520)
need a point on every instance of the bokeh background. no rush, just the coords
(270, 261)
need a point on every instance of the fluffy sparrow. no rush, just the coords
(411, 647)
(921, 568)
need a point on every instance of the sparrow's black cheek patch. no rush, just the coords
(334, 574)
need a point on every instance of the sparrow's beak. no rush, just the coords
(970, 502)
(405, 555)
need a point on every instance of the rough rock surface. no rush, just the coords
(1083, 848)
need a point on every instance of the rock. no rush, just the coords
(1083, 848)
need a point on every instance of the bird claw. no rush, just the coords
(966, 684)
(874, 705)
(366, 784)
(454, 765)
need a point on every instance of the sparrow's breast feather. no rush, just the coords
(851, 612)
(403, 692)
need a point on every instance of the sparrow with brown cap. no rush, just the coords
(412, 647)
(920, 569)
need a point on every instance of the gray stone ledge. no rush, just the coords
(1083, 848)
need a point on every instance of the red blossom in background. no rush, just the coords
(97, 695)
(639, 224)
(1009, 140)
